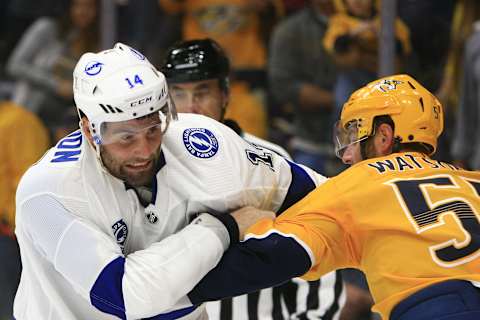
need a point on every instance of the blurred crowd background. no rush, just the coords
(295, 62)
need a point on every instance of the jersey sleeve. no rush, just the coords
(319, 224)
(309, 240)
(139, 285)
(268, 180)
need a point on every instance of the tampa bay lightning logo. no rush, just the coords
(93, 68)
(200, 142)
(120, 231)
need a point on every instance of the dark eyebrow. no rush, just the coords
(202, 86)
(175, 87)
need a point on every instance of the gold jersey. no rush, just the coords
(406, 220)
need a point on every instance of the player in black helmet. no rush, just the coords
(197, 72)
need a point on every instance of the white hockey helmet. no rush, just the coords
(119, 84)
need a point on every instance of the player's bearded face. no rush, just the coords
(135, 157)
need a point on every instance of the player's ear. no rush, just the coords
(85, 127)
(384, 139)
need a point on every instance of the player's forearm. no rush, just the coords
(142, 284)
(253, 265)
(156, 278)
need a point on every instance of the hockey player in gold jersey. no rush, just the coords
(411, 223)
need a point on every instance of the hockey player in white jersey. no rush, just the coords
(112, 222)
(198, 73)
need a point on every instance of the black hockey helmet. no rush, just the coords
(196, 60)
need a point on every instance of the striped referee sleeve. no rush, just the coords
(296, 299)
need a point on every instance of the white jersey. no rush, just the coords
(90, 250)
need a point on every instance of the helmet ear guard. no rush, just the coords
(417, 115)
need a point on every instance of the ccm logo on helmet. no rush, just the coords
(93, 68)
(141, 101)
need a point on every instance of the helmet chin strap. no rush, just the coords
(396, 145)
(223, 109)
(363, 148)
(95, 147)
(99, 157)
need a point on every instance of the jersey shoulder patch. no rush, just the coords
(198, 136)
(200, 142)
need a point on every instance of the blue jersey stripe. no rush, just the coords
(107, 294)
(300, 186)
